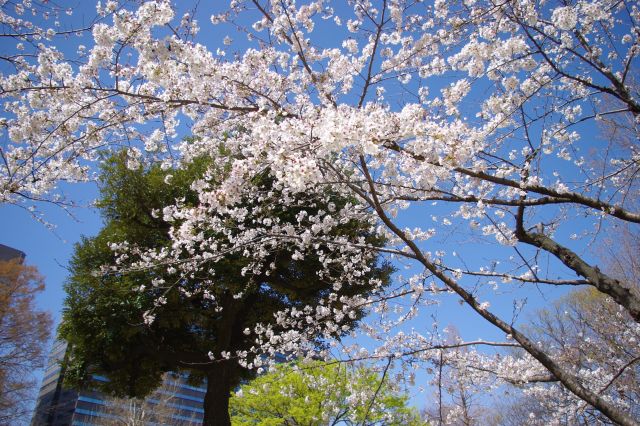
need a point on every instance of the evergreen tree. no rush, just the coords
(202, 315)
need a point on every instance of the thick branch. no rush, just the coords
(568, 380)
(605, 284)
(574, 197)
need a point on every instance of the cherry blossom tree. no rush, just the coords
(458, 128)
(590, 333)
(586, 334)
(455, 397)
(32, 167)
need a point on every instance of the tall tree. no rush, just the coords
(594, 336)
(456, 397)
(24, 335)
(317, 394)
(591, 334)
(587, 332)
(134, 325)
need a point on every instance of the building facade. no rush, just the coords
(8, 253)
(176, 402)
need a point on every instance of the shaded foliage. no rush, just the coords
(205, 313)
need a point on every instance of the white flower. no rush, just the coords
(351, 45)
(565, 18)
(148, 318)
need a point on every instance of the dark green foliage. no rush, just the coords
(103, 316)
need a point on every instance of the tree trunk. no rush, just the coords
(222, 375)
(216, 400)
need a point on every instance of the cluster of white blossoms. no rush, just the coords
(514, 124)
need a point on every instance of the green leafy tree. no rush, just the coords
(201, 314)
(318, 394)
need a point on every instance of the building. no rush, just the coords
(176, 402)
(7, 253)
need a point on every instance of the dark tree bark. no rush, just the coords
(222, 375)
(220, 383)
